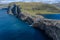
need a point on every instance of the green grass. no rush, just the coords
(39, 8)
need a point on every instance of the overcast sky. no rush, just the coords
(45, 1)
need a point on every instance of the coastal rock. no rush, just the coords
(29, 20)
(14, 9)
(36, 25)
(53, 32)
(51, 28)
(22, 16)
(9, 10)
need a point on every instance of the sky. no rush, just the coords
(44, 1)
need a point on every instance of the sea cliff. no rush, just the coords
(50, 26)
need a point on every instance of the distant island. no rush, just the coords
(3, 6)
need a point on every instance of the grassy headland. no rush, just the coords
(34, 8)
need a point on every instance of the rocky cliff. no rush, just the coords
(51, 27)
(15, 10)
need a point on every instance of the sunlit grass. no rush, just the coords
(27, 8)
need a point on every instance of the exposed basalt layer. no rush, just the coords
(51, 27)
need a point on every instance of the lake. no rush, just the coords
(11, 28)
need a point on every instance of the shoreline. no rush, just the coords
(50, 26)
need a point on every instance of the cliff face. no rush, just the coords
(15, 10)
(51, 27)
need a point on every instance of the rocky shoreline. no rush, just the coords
(50, 26)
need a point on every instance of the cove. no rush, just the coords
(11, 28)
(52, 16)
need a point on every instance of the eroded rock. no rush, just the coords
(51, 28)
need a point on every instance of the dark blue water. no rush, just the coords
(52, 16)
(12, 28)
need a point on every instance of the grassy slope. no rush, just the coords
(37, 8)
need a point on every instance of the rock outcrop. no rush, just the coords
(51, 27)
(29, 20)
(16, 10)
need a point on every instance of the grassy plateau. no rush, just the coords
(34, 8)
